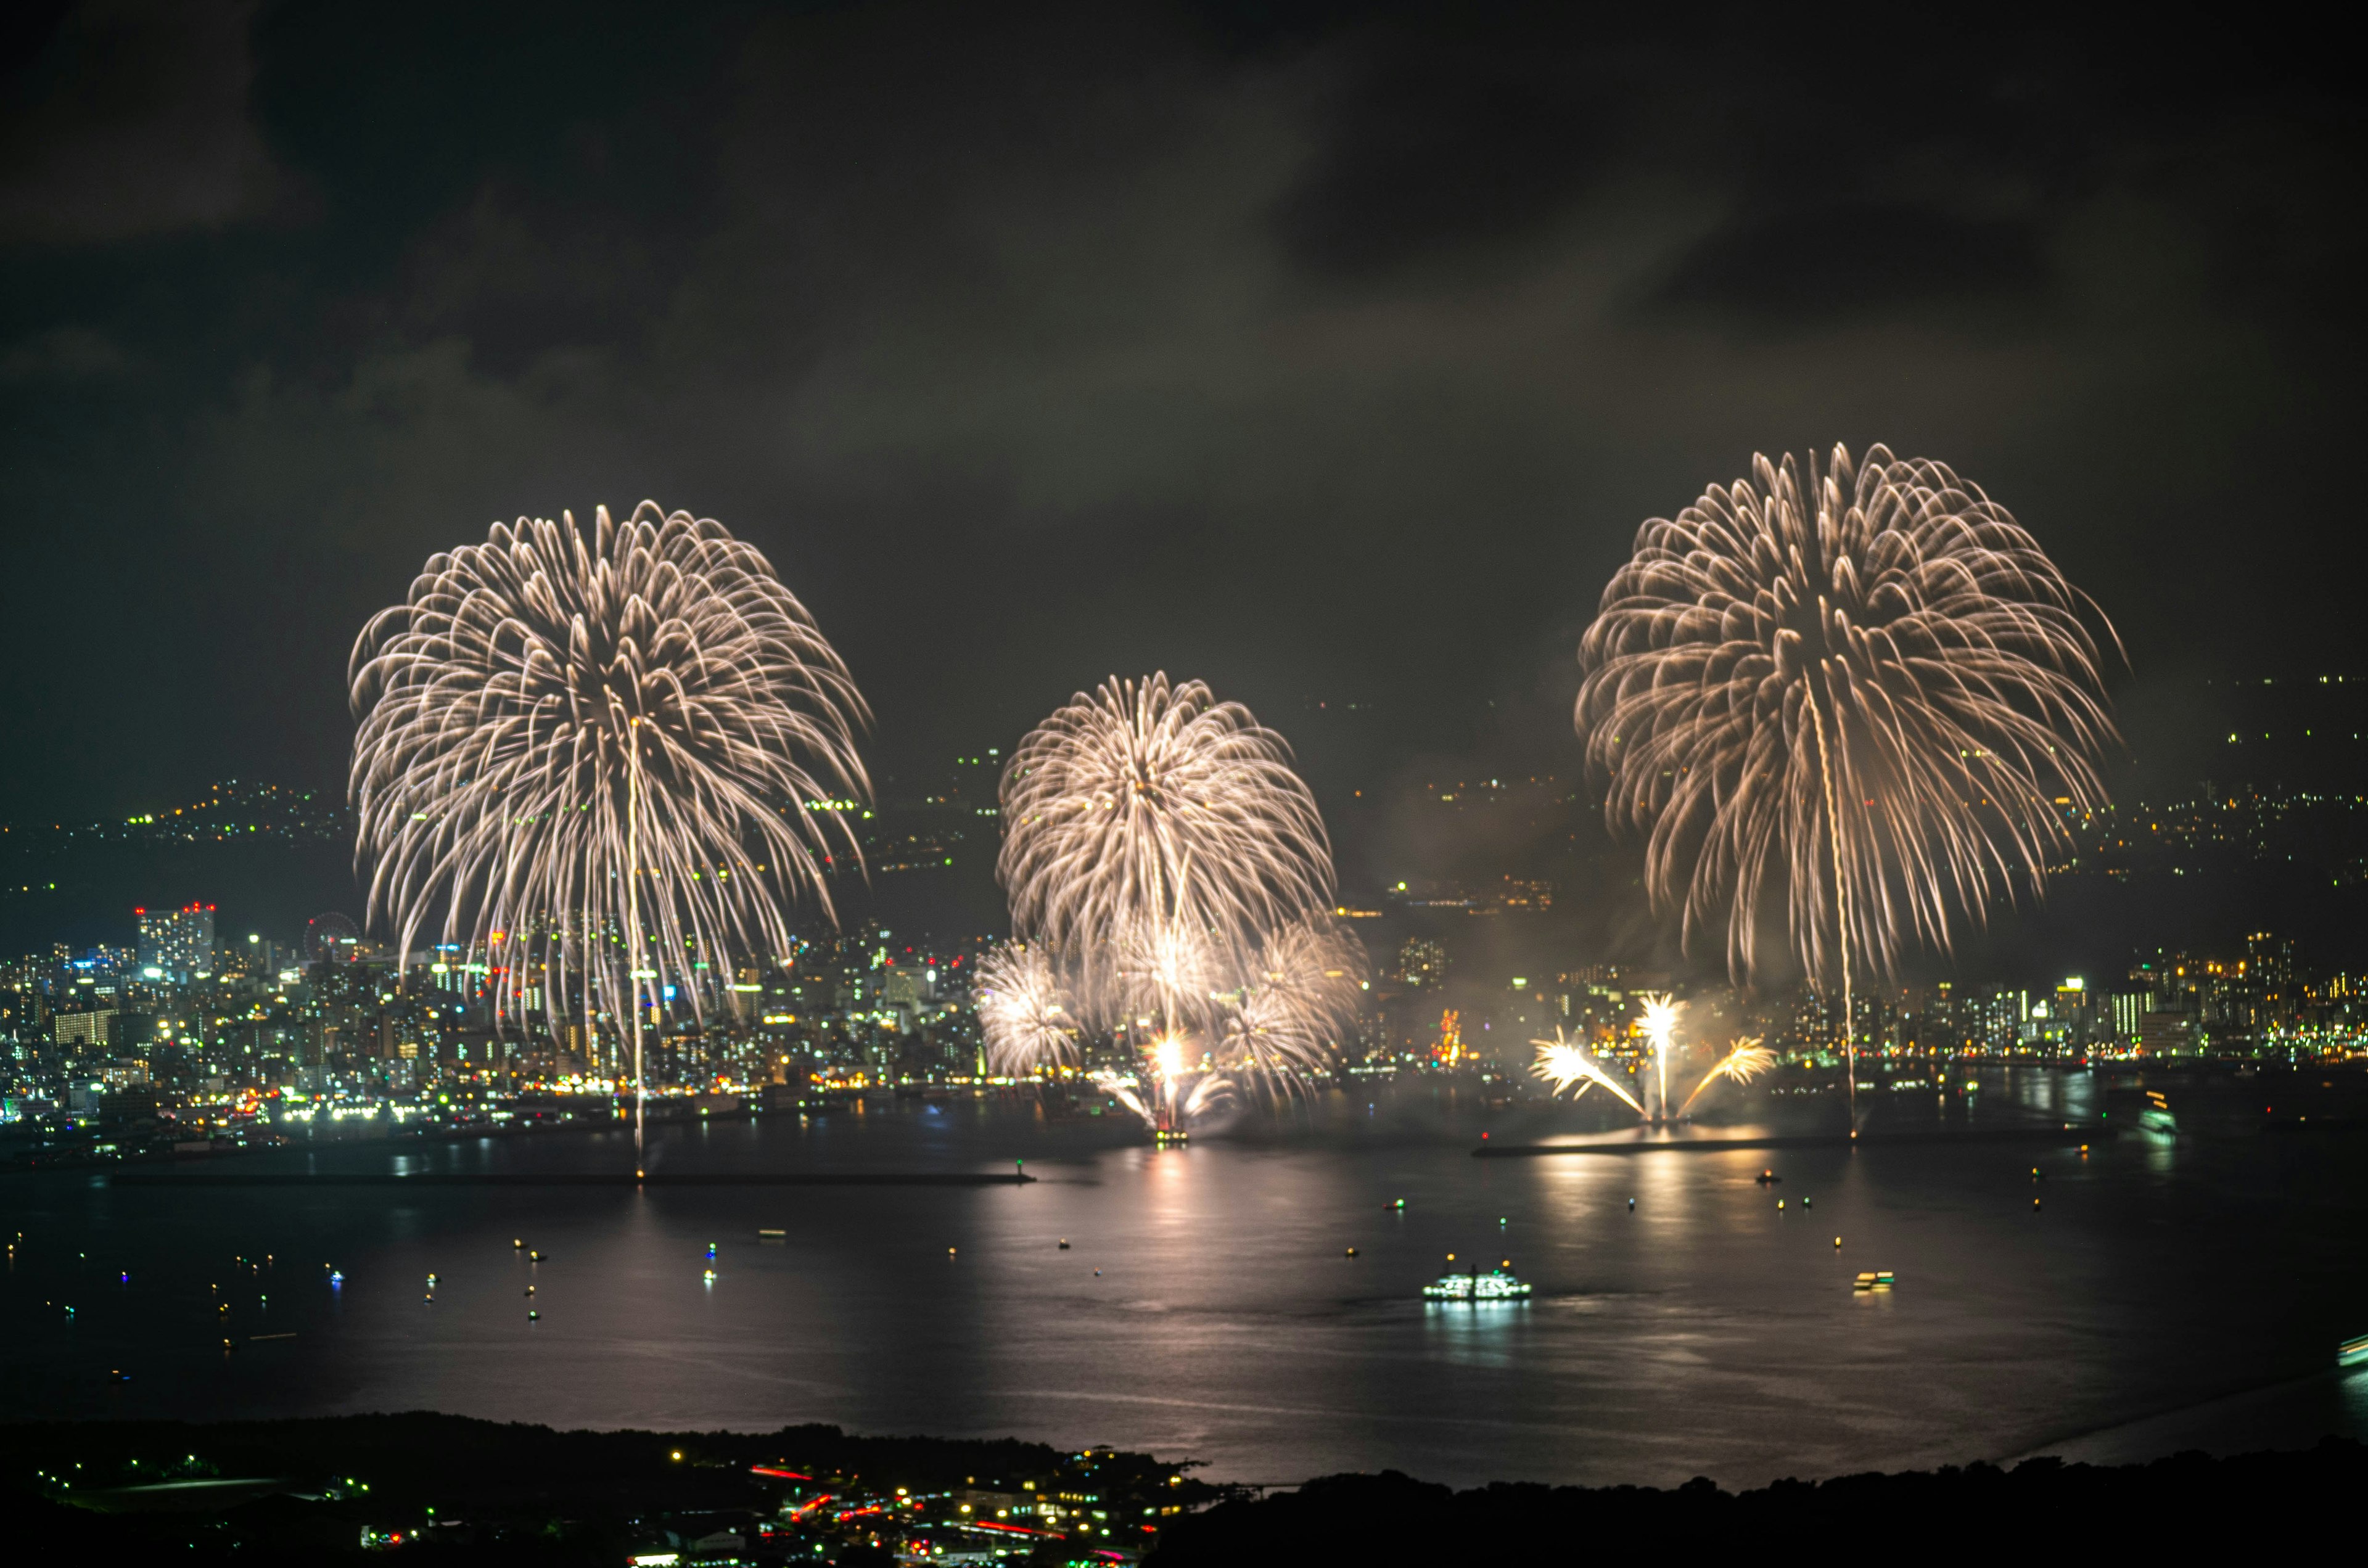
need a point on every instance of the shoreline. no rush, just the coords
(2068, 1133)
(574, 1178)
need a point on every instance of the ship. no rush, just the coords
(1499, 1284)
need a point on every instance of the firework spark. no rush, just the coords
(1170, 1091)
(1867, 684)
(593, 758)
(1155, 970)
(1563, 1061)
(1660, 1027)
(1745, 1061)
(1127, 1091)
(1023, 1011)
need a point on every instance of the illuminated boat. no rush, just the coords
(2353, 1352)
(1499, 1284)
(1874, 1279)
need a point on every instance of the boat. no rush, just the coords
(1499, 1284)
(1874, 1279)
(2353, 1352)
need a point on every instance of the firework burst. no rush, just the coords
(594, 759)
(1295, 1003)
(1866, 686)
(1148, 805)
(1023, 1011)
(1162, 851)
(1747, 1061)
(1660, 1026)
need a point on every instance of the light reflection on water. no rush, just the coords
(1704, 1332)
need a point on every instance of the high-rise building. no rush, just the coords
(1422, 963)
(90, 1029)
(2269, 959)
(179, 942)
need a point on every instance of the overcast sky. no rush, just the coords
(1321, 351)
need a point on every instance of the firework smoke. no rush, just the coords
(1869, 685)
(592, 758)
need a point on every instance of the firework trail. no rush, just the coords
(1562, 1062)
(1745, 1061)
(1023, 1011)
(1660, 1027)
(1868, 684)
(1160, 848)
(593, 758)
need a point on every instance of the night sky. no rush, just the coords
(1326, 352)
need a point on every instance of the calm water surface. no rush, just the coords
(2169, 1293)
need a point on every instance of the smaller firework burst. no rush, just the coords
(1563, 1061)
(1023, 1012)
(1747, 1061)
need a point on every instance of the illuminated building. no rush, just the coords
(1422, 963)
(92, 1028)
(179, 943)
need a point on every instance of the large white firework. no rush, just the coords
(1148, 806)
(1160, 848)
(606, 761)
(1867, 688)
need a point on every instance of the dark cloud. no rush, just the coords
(1427, 148)
(1319, 351)
(61, 355)
(1801, 266)
(129, 120)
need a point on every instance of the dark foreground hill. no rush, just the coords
(2040, 1509)
(446, 1490)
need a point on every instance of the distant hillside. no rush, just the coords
(267, 858)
